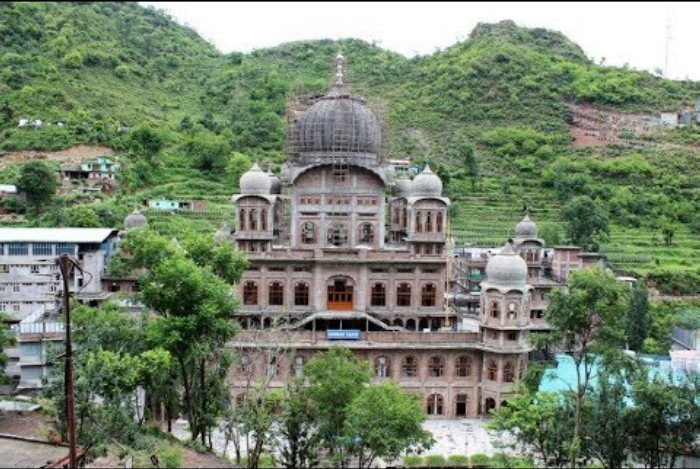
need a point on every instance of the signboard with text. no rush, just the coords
(343, 334)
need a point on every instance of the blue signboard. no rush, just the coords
(343, 334)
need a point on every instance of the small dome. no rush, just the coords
(222, 234)
(404, 188)
(275, 183)
(255, 182)
(134, 220)
(506, 268)
(526, 228)
(427, 183)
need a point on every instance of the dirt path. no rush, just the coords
(67, 155)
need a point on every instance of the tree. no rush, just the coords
(587, 222)
(384, 422)
(638, 323)
(588, 323)
(606, 426)
(541, 424)
(38, 181)
(665, 419)
(146, 142)
(296, 427)
(335, 378)
(208, 151)
(7, 339)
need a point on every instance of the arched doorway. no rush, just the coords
(411, 324)
(490, 404)
(340, 295)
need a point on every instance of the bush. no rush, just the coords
(72, 60)
(267, 460)
(170, 456)
(480, 460)
(413, 460)
(458, 460)
(435, 460)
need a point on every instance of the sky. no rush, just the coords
(642, 35)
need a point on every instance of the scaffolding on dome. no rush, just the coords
(342, 129)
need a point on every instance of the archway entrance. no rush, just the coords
(340, 295)
(490, 405)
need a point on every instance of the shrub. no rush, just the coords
(413, 460)
(435, 460)
(480, 460)
(458, 460)
(267, 460)
(170, 456)
(72, 59)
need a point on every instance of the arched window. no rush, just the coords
(428, 294)
(301, 294)
(495, 309)
(436, 366)
(367, 233)
(438, 222)
(435, 404)
(241, 218)
(419, 222)
(337, 234)
(378, 295)
(381, 367)
(250, 293)
(298, 367)
(409, 366)
(489, 404)
(403, 295)
(276, 294)
(404, 216)
(428, 222)
(463, 366)
(508, 372)
(396, 214)
(512, 310)
(263, 219)
(253, 219)
(492, 370)
(308, 232)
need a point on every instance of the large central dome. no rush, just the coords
(339, 127)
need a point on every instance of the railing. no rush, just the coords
(269, 336)
(48, 327)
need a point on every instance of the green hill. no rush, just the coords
(111, 72)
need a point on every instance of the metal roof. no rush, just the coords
(55, 235)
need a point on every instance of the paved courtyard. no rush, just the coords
(463, 436)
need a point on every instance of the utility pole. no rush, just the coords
(66, 263)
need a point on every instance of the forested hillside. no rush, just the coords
(187, 120)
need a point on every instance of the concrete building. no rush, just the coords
(30, 283)
(341, 252)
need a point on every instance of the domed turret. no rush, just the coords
(404, 188)
(526, 228)
(427, 184)
(275, 183)
(255, 182)
(339, 125)
(134, 220)
(506, 268)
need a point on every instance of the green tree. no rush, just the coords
(587, 222)
(665, 419)
(541, 423)
(606, 431)
(384, 422)
(638, 323)
(588, 323)
(208, 151)
(38, 181)
(81, 216)
(7, 339)
(296, 427)
(146, 141)
(335, 378)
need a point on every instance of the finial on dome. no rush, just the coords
(340, 75)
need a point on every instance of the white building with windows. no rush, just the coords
(30, 283)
